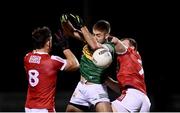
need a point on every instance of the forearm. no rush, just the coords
(112, 84)
(86, 35)
(72, 61)
(119, 46)
(78, 35)
(70, 31)
(89, 38)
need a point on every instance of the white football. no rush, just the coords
(102, 57)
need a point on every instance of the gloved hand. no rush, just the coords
(67, 27)
(79, 21)
(64, 18)
(61, 40)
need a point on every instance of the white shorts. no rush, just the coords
(28, 110)
(90, 94)
(133, 101)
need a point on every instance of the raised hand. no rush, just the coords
(61, 40)
(79, 21)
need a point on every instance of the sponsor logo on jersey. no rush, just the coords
(35, 59)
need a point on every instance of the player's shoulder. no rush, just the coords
(57, 58)
(27, 54)
(133, 51)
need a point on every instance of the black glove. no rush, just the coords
(61, 40)
(78, 20)
(64, 18)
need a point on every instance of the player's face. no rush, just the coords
(100, 36)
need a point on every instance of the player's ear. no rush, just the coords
(48, 44)
(133, 47)
(106, 36)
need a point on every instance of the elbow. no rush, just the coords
(123, 50)
(94, 46)
(74, 65)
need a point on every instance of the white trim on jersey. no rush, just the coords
(39, 52)
(59, 59)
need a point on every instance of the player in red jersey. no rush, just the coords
(130, 78)
(42, 68)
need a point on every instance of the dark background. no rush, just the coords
(154, 25)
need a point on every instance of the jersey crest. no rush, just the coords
(87, 52)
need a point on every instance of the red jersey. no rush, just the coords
(41, 69)
(131, 72)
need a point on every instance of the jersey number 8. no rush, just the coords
(33, 77)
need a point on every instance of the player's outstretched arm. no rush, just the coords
(72, 62)
(112, 84)
(68, 29)
(89, 38)
(119, 46)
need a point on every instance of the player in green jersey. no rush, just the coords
(91, 89)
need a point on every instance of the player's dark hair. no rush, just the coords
(40, 36)
(131, 41)
(102, 25)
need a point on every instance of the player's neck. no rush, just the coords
(42, 50)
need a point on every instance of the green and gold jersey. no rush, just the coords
(88, 69)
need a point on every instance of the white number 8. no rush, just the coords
(33, 77)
